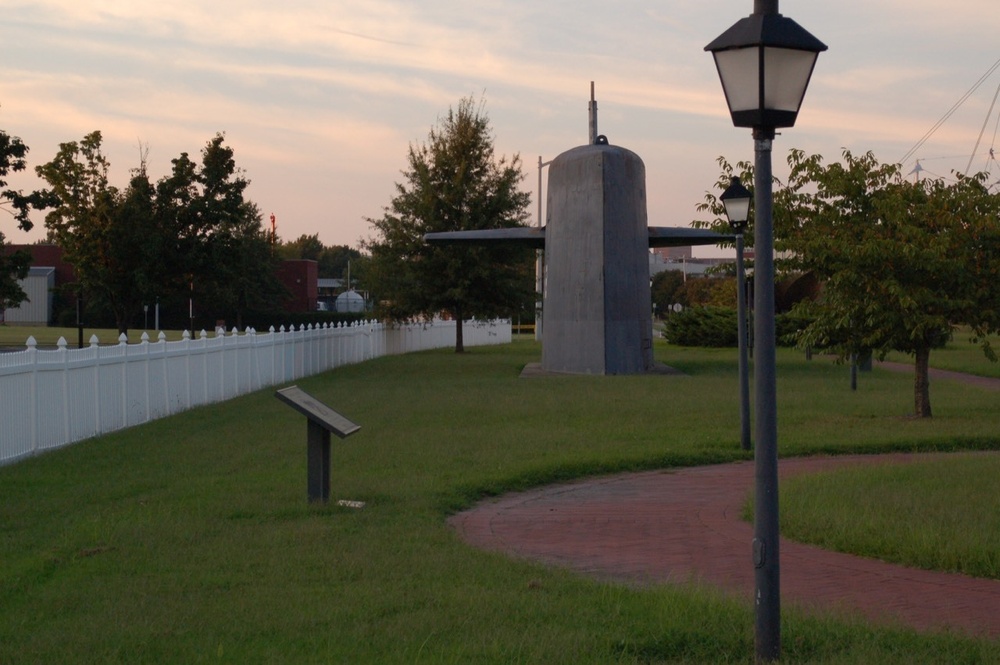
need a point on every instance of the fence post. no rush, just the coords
(203, 338)
(144, 345)
(64, 361)
(98, 401)
(161, 344)
(32, 350)
(123, 344)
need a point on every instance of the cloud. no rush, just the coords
(320, 100)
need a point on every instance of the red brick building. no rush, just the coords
(301, 278)
(48, 256)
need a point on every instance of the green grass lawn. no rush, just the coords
(189, 539)
(870, 511)
(960, 355)
(14, 336)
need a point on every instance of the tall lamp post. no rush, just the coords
(765, 62)
(736, 200)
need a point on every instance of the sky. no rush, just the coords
(321, 99)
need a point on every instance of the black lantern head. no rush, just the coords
(765, 62)
(736, 200)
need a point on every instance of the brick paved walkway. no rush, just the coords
(685, 525)
(979, 381)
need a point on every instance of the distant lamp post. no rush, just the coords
(736, 200)
(765, 62)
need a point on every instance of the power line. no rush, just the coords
(992, 157)
(986, 121)
(950, 112)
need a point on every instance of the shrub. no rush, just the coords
(703, 326)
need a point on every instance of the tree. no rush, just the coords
(664, 288)
(303, 247)
(452, 183)
(231, 263)
(14, 265)
(337, 260)
(707, 292)
(108, 235)
(901, 262)
(191, 235)
(246, 267)
(333, 260)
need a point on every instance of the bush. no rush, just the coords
(703, 326)
(716, 326)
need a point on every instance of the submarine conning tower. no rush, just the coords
(597, 296)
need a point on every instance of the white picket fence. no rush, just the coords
(51, 398)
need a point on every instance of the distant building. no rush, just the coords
(300, 278)
(37, 309)
(689, 266)
(327, 290)
(48, 270)
(668, 254)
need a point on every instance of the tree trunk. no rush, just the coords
(459, 339)
(921, 384)
(121, 322)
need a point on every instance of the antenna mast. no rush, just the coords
(592, 114)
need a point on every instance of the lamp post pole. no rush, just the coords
(765, 538)
(741, 330)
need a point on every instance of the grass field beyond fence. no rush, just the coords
(189, 540)
(16, 336)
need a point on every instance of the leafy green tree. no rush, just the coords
(337, 260)
(333, 260)
(108, 235)
(304, 247)
(246, 269)
(14, 265)
(219, 251)
(453, 183)
(231, 258)
(707, 292)
(664, 288)
(901, 262)
(191, 235)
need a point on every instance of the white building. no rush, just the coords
(37, 309)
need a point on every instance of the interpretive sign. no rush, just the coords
(321, 420)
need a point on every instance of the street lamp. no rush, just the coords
(765, 62)
(736, 200)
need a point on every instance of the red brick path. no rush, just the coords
(685, 524)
